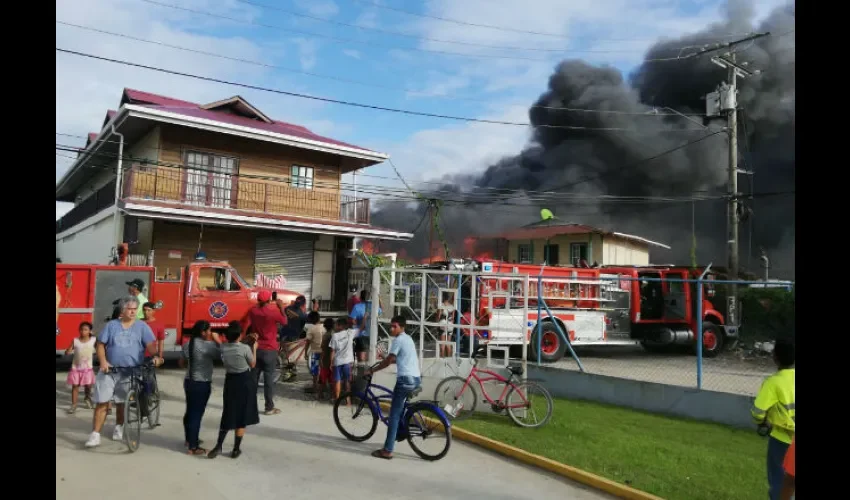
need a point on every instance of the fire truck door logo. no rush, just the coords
(218, 310)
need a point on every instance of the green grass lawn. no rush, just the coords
(672, 458)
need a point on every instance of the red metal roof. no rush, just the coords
(191, 109)
(531, 233)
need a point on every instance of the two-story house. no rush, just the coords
(566, 244)
(171, 178)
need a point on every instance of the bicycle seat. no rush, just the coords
(515, 369)
(415, 392)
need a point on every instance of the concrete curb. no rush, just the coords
(563, 470)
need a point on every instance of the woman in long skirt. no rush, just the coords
(240, 391)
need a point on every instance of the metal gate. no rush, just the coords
(289, 257)
(443, 309)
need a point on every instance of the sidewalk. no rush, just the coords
(298, 454)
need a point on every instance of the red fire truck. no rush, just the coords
(663, 313)
(207, 290)
(593, 307)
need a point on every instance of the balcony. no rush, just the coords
(259, 195)
(101, 199)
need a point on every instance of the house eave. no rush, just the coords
(250, 133)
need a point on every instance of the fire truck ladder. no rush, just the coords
(541, 305)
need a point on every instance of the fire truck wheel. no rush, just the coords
(551, 343)
(712, 339)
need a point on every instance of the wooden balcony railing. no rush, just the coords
(264, 196)
(101, 199)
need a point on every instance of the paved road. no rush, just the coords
(296, 455)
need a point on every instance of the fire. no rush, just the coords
(367, 247)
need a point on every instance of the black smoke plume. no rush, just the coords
(617, 163)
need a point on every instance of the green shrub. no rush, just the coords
(766, 314)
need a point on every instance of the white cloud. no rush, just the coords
(319, 8)
(307, 52)
(351, 53)
(368, 19)
(460, 148)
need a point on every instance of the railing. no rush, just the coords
(101, 199)
(223, 191)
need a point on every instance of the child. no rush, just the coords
(342, 355)
(325, 374)
(314, 346)
(240, 392)
(82, 373)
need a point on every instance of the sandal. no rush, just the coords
(198, 451)
(382, 454)
(273, 411)
(71, 410)
(89, 403)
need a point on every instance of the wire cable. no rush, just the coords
(349, 103)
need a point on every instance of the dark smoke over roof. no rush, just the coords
(615, 162)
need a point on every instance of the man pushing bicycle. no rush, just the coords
(121, 348)
(408, 378)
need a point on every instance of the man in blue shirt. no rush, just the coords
(360, 321)
(296, 318)
(121, 347)
(403, 354)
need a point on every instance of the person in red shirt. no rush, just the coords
(353, 300)
(156, 326)
(262, 320)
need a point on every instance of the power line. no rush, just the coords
(408, 35)
(390, 47)
(358, 82)
(351, 103)
(499, 28)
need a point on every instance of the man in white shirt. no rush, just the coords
(342, 355)
(408, 378)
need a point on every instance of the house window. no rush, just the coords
(209, 179)
(551, 254)
(578, 252)
(301, 177)
(524, 254)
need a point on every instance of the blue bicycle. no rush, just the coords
(423, 423)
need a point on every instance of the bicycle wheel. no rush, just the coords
(132, 421)
(529, 404)
(357, 421)
(154, 402)
(429, 434)
(457, 405)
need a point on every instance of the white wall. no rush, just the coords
(622, 252)
(323, 267)
(90, 242)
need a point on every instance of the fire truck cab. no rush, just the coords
(655, 307)
(207, 290)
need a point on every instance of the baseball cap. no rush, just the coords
(264, 296)
(137, 283)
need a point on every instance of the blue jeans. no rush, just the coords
(776, 450)
(403, 387)
(197, 396)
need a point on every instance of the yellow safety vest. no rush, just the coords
(775, 405)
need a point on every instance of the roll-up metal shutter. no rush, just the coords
(290, 256)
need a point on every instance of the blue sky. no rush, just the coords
(398, 71)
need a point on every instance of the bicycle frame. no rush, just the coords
(493, 377)
(374, 402)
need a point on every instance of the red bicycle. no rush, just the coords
(525, 401)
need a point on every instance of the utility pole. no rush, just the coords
(725, 101)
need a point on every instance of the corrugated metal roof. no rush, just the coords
(192, 109)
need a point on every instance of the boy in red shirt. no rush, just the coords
(158, 328)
